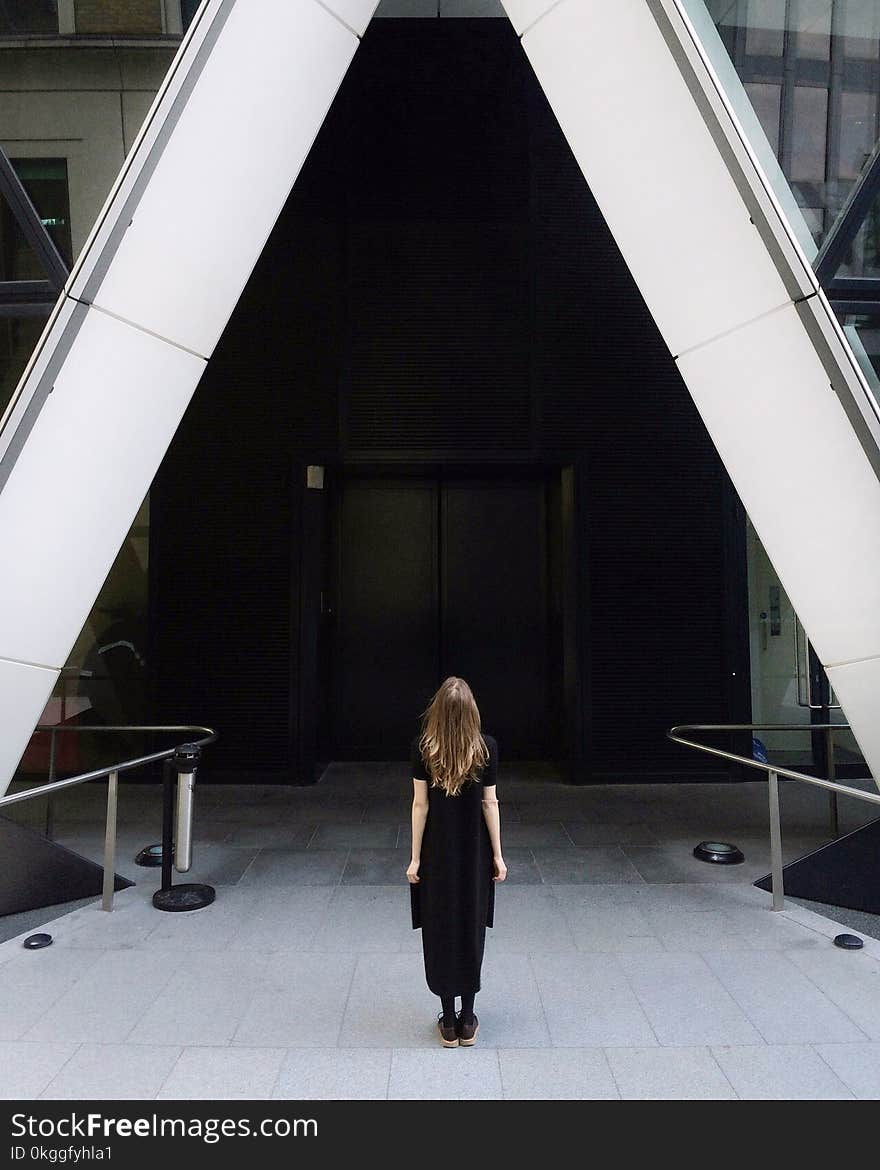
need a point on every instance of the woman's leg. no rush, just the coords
(467, 1008)
(448, 1004)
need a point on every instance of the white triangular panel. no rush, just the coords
(730, 289)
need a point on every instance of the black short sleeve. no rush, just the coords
(490, 772)
(418, 769)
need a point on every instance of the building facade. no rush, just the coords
(441, 433)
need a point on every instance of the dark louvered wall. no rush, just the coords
(225, 506)
(439, 344)
(441, 287)
(608, 392)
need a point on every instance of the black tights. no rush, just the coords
(467, 1008)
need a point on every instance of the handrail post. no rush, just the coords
(50, 799)
(167, 824)
(833, 810)
(110, 842)
(776, 877)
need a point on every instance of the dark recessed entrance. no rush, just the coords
(442, 299)
(440, 572)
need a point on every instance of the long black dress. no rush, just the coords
(454, 899)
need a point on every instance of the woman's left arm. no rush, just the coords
(419, 816)
(493, 823)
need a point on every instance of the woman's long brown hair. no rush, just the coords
(451, 743)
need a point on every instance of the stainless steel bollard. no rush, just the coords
(192, 896)
(186, 761)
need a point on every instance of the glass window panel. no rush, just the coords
(110, 654)
(723, 12)
(721, 42)
(863, 258)
(23, 17)
(18, 336)
(122, 17)
(864, 334)
(859, 25)
(45, 180)
(188, 9)
(18, 261)
(809, 134)
(793, 100)
(766, 100)
(779, 654)
(104, 681)
(765, 28)
(774, 660)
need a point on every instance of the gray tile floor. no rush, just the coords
(619, 966)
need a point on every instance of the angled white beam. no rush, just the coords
(142, 311)
(708, 235)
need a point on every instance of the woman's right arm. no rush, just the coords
(492, 817)
(419, 816)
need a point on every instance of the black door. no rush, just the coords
(438, 575)
(384, 630)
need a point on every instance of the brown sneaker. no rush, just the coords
(448, 1033)
(467, 1033)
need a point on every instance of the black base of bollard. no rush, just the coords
(177, 899)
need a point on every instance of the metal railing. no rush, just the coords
(774, 771)
(206, 735)
(67, 675)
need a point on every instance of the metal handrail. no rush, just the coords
(208, 736)
(111, 771)
(773, 773)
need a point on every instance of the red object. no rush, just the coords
(67, 743)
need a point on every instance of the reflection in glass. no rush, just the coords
(104, 681)
(860, 29)
(858, 132)
(812, 29)
(806, 152)
(773, 653)
(766, 99)
(809, 140)
(779, 656)
(111, 650)
(823, 56)
(714, 23)
(765, 27)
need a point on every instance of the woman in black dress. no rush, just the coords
(456, 852)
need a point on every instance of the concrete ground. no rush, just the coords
(619, 966)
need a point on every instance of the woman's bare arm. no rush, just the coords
(419, 816)
(492, 817)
